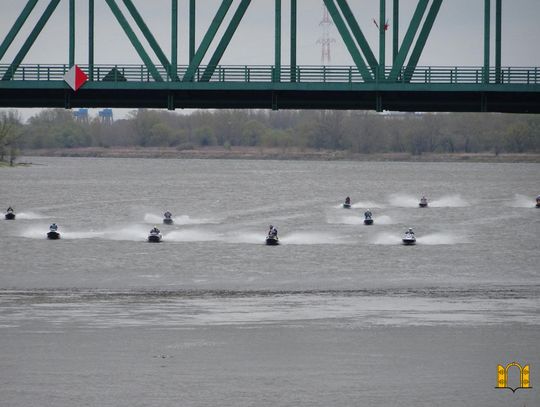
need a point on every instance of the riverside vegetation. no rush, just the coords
(356, 132)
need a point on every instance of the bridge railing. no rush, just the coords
(269, 74)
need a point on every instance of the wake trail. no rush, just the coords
(522, 201)
(179, 220)
(30, 216)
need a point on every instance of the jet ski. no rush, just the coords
(368, 218)
(347, 206)
(272, 240)
(53, 234)
(423, 204)
(155, 237)
(10, 215)
(537, 202)
(167, 218)
(409, 239)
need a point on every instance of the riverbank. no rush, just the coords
(257, 153)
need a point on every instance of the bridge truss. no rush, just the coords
(370, 83)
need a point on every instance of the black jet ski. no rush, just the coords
(537, 203)
(423, 204)
(368, 221)
(155, 237)
(409, 239)
(10, 215)
(53, 235)
(167, 218)
(272, 240)
(347, 206)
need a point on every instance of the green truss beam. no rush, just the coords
(358, 34)
(293, 39)
(487, 26)
(395, 30)
(134, 40)
(71, 33)
(277, 41)
(207, 40)
(408, 40)
(17, 26)
(225, 40)
(191, 30)
(349, 42)
(422, 39)
(150, 38)
(498, 21)
(31, 39)
(174, 35)
(382, 40)
(91, 39)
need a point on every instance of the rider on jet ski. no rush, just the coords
(410, 232)
(368, 214)
(10, 210)
(347, 201)
(53, 227)
(272, 232)
(155, 231)
(423, 200)
(167, 215)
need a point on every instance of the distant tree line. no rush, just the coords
(354, 131)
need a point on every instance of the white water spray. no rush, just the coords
(30, 216)
(449, 201)
(307, 238)
(403, 201)
(522, 201)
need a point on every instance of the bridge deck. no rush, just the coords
(509, 89)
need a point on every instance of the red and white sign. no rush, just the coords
(75, 77)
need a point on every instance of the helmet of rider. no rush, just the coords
(410, 230)
(271, 227)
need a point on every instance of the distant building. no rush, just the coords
(81, 115)
(106, 116)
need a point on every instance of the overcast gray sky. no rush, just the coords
(456, 38)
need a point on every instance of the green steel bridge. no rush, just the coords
(368, 84)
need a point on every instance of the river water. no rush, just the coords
(339, 314)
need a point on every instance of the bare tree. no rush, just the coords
(9, 135)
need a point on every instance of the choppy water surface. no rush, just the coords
(475, 265)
